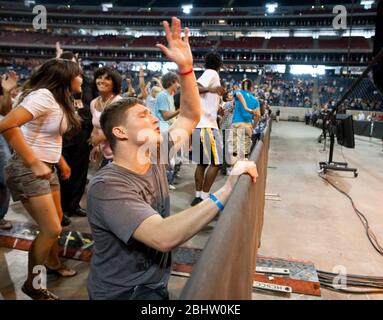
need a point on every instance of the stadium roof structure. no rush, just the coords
(195, 3)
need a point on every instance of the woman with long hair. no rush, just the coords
(108, 84)
(34, 130)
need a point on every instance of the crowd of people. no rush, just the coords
(60, 120)
(286, 91)
(365, 96)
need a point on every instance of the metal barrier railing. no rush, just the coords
(369, 129)
(225, 269)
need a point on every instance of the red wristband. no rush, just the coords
(186, 73)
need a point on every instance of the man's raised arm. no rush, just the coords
(179, 51)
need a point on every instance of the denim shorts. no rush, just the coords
(23, 183)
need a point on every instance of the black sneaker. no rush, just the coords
(196, 201)
(5, 225)
(65, 221)
(80, 212)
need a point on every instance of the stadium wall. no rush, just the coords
(292, 113)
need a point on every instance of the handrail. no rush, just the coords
(226, 266)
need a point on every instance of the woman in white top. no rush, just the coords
(34, 130)
(108, 83)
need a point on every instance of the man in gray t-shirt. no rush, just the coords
(128, 200)
(121, 200)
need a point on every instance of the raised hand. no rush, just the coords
(178, 49)
(158, 82)
(9, 81)
(59, 50)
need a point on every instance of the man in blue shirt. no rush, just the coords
(247, 109)
(166, 112)
(165, 109)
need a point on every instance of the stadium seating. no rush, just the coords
(290, 43)
(343, 43)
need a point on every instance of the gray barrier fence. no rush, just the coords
(226, 266)
(369, 129)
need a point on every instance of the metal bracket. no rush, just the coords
(271, 287)
(272, 270)
(273, 196)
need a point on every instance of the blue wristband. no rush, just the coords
(217, 202)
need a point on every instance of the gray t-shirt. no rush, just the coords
(119, 200)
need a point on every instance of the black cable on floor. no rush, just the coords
(341, 150)
(371, 284)
(355, 284)
(370, 234)
(352, 291)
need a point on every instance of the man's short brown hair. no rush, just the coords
(113, 116)
(168, 79)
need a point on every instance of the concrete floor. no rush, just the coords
(312, 222)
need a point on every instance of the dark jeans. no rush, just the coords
(4, 192)
(144, 293)
(170, 174)
(254, 139)
(172, 169)
(77, 157)
(226, 152)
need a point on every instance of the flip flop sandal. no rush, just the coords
(62, 271)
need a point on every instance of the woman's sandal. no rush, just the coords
(40, 294)
(62, 271)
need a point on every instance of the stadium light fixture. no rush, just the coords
(271, 7)
(28, 3)
(367, 4)
(106, 6)
(186, 8)
(154, 66)
(307, 69)
(168, 66)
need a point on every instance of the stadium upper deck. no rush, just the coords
(294, 33)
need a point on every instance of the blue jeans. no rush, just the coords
(4, 192)
(170, 173)
(142, 293)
